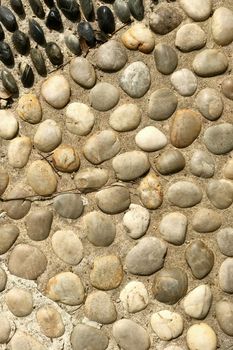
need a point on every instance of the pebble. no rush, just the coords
(162, 104)
(38, 61)
(3, 279)
(225, 275)
(199, 10)
(86, 32)
(202, 164)
(170, 285)
(201, 337)
(54, 53)
(210, 103)
(150, 191)
(224, 315)
(137, 9)
(121, 9)
(87, 8)
(190, 37)
(136, 221)
(53, 20)
(150, 139)
(72, 42)
(107, 272)
(111, 56)
(48, 136)
(87, 337)
(220, 193)
(19, 301)
(68, 205)
(6, 54)
(206, 220)
(19, 150)
(165, 19)
(66, 159)
(104, 96)
(184, 81)
(222, 26)
(8, 19)
(170, 162)
(26, 75)
(167, 324)
(130, 165)
(113, 200)
(38, 224)
(122, 332)
(219, 138)
(17, 208)
(82, 72)
(50, 321)
(173, 228)
(8, 124)
(210, 62)
(4, 180)
(5, 330)
(21, 340)
(135, 80)
(185, 128)
(199, 258)
(166, 58)
(67, 246)
(66, 287)
(227, 87)
(184, 194)
(79, 119)
(105, 19)
(56, 91)
(138, 37)
(126, 117)
(227, 170)
(134, 297)
(29, 108)
(197, 303)
(100, 308)
(41, 178)
(91, 179)
(8, 235)
(101, 146)
(100, 229)
(225, 241)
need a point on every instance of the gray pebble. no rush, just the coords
(224, 315)
(209, 103)
(222, 26)
(113, 200)
(8, 235)
(91, 179)
(200, 259)
(225, 241)
(173, 228)
(210, 62)
(68, 205)
(184, 194)
(206, 220)
(202, 164)
(17, 208)
(39, 224)
(162, 104)
(111, 56)
(126, 117)
(165, 19)
(226, 276)
(184, 81)
(104, 96)
(166, 59)
(87, 337)
(3, 279)
(220, 193)
(122, 11)
(82, 72)
(100, 308)
(219, 138)
(190, 37)
(170, 162)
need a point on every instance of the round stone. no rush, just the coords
(219, 138)
(184, 194)
(100, 229)
(29, 108)
(201, 337)
(220, 193)
(19, 150)
(135, 80)
(126, 117)
(150, 191)
(65, 158)
(68, 205)
(91, 179)
(17, 208)
(8, 124)
(198, 10)
(48, 136)
(39, 224)
(225, 275)
(185, 128)
(50, 321)
(206, 220)
(138, 37)
(162, 104)
(199, 258)
(165, 19)
(150, 139)
(67, 246)
(100, 308)
(210, 62)
(107, 272)
(104, 96)
(5, 329)
(224, 315)
(111, 56)
(121, 9)
(3, 279)
(166, 58)
(173, 228)
(113, 200)
(87, 337)
(4, 180)
(227, 87)
(222, 26)
(209, 103)
(8, 235)
(56, 91)
(82, 72)
(136, 221)
(225, 241)
(167, 324)
(190, 37)
(202, 164)
(197, 303)
(130, 165)
(67, 288)
(41, 178)
(184, 81)
(27, 261)
(170, 162)
(134, 297)
(19, 301)
(21, 340)
(79, 119)
(227, 170)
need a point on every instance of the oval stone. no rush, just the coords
(100, 308)
(209, 103)
(227, 87)
(8, 235)
(210, 62)
(165, 19)
(225, 275)
(79, 119)
(202, 164)
(50, 321)
(225, 241)
(162, 104)
(206, 220)
(197, 303)
(190, 37)
(82, 72)
(198, 10)
(173, 228)
(222, 26)
(111, 56)
(167, 324)
(184, 81)
(220, 193)
(3, 279)
(48, 136)
(184, 194)
(113, 200)
(67, 246)
(68, 205)
(91, 179)
(126, 117)
(227, 170)
(56, 91)
(201, 336)
(224, 315)
(170, 162)
(19, 301)
(4, 180)
(8, 124)
(150, 139)
(104, 96)
(88, 337)
(219, 138)
(17, 206)
(21, 340)
(136, 221)
(39, 224)
(166, 59)
(41, 178)
(5, 330)
(29, 108)
(134, 297)
(65, 158)
(150, 191)
(19, 150)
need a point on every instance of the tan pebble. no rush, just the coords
(79, 119)
(228, 169)
(91, 179)
(100, 308)
(19, 150)
(56, 91)
(19, 301)
(17, 208)
(134, 296)
(65, 158)
(150, 191)
(3, 279)
(8, 235)
(113, 200)
(50, 321)
(82, 72)
(4, 180)
(29, 108)
(5, 328)
(22, 340)
(67, 246)
(41, 178)
(138, 36)
(48, 136)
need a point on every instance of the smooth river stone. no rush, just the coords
(101, 146)
(210, 103)
(113, 200)
(82, 72)
(68, 205)
(219, 138)
(67, 246)
(91, 179)
(224, 315)
(17, 208)
(130, 165)
(107, 272)
(121, 10)
(220, 193)
(138, 37)
(190, 37)
(184, 81)
(56, 91)
(170, 285)
(199, 10)
(29, 108)
(66, 287)
(162, 104)
(8, 124)
(197, 302)
(39, 224)
(135, 80)
(150, 191)
(136, 221)
(227, 87)
(8, 235)
(4, 180)
(200, 259)
(65, 158)
(19, 150)
(185, 128)
(88, 337)
(3, 279)
(206, 220)
(41, 178)
(225, 241)
(173, 228)
(111, 56)
(150, 139)
(50, 321)
(202, 164)
(79, 119)
(146, 257)
(166, 58)
(126, 117)
(201, 337)
(5, 329)
(100, 308)
(104, 96)
(124, 329)
(222, 26)
(19, 301)
(27, 261)
(210, 62)
(227, 170)
(170, 162)
(21, 340)
(48, 136)
(166, 324)
(134, 296)
(184, 194)
(226, 276)
(165, 19)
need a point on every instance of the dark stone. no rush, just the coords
(8, 19)
(6, 55)
(165, 19)
(49, 3)
(27, 75)
(87, 8)
(121, 9)
(21, 42)
(73, 44)
(17, 6)
(38, 61)
(137, 9)
(2, 34)
(39, 224)
(53, 20)
(70, 9)
(86, 32)
(54, 53)
(105, 19)
(37, 8)
(36, 32)
(8, 82)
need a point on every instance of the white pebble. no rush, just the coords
(197, 302)
(150, 139)
(136, 221)
(134, 297)
(184, 81)
(201, 337)
(79, 119)
(166, 324)
(8, 124)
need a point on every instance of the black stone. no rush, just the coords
(17, 7)
(121, 9)
(53, 20)
(2, 34)
(37, 8)
(105, 19)
(36, 32)
(21, 42)
(137, 9)
(73, 44)
(87, 8)
(8, 19)
(54, 53)
(49, 3)
(86, 32)
(6, 55)
(27, 75)
(38, 61)
(8, 82)
(70, 9)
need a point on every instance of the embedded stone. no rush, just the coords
(210, 62)
(79, 119)
(19, 301)
(225, 241)
(139, 37)
(220, 193)
(165, 19)
(113, 200)
(134, 297)
(8, 124)
(100, 308)
(219, 138)
(48, 136)
(65, 158)
(184, 194)
(68, 205)
(202, 164)
(166, 324)
(19, 150)
(41, 178)
(67, 246)
(126, 117)
(82, 72)
(210, 104)
(201, 336)
(166, 58)
(104, 96)
(224, 315)
(111, 56)
(150, 139)
(198, 10)
(225, 275)
(4, 180)
(150, 191)
(170, 162)
(197, 303)
(56, 91)
(8, 235)
(50, 321)
(21, 340)
(173, 228)
(162, 104)
(136, 221)
(190, 37)
(222, 26)
(17, 206)
(29, 108)
(39, 224)
(184, 81)
(206, 220)
(87, 337)
(91, 179)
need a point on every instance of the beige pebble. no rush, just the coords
(50, 321)
(228, 169)
(65, 158)
(100, 308)
(5, 328)
(29, 108)
(201, 337)
(82, 72)
(41, 178)
(56, 91)
(67, 246)
(4, 180)
(79, 119)
(17, 207)
(48, 136)
(126, 117)
(22, 340)
(91, 179)
(134, 296)
(19, 301)
(167, 324)
(150, 191)
(19, 150)
(8, 124)
(139, 37)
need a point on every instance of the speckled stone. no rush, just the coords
(150, 139)
(150, 191)
(224, 315)
(48, 136)
(87, 337)
(41, 178)
(170, 162)
(82, 72)
(19, 301)
(8, 235)
(3, 279)
(4, 180)
(210, 62)
(184, 194)
(79, 119)
(113, 200)
(173, 228)
(136, 221)
(184, 81)
(219, 138)
(206, 220)
(19, 150)
(39, 223)
(111, 56)
(197, 302)
(200, 258)
(220, 193)
(162, 104)
(17, 208)
(198, 10)
(100, 308)
(222, 26)
(225, 241)
(165, 19)
(67, 246)
(8, 124)
(201, 336)
(126, 117)
(138, 37)
(91, 179)
(65, 158)
(29, 108)
(50, 321)
(166, 58)
(202, 164)
(5, 329)
(56, 91)
(210, 104)
(68, 205)
(134, 297)
(166, 324)
(104, 96)
(190, 37)
(21, 340)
